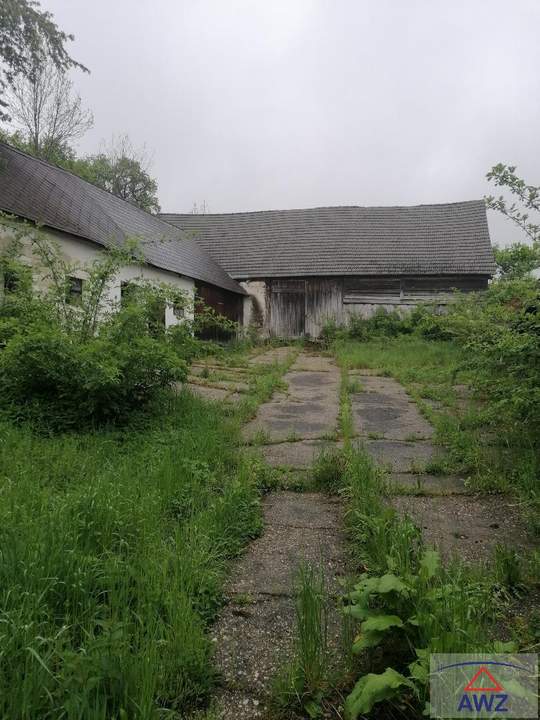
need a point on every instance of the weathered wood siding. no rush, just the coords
(286, 307)
(324, 302)
(224, 302)
(300, 306)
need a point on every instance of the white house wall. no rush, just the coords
(82, 253)
(255, 304)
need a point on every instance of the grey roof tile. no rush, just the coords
(53, 197)
(424, 239)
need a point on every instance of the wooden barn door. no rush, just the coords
(287, 308)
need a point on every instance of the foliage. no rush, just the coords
(517, 260)
(406, 604)
(122, 170)
(409, 617)
(372, 689)
(114, 546)
(65, 364)
(500, 333)
(28, 37)
(303, 681)
(381, 323)
(47, 113)
(527, 195)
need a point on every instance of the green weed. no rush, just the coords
(303, 682)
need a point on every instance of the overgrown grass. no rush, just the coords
(492, 456)
(407, 604)
(113, 549)
(305, 679)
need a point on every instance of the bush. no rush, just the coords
(500, 331)
(65, 365)
(48, 377)
(381, 324)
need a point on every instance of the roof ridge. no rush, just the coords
(85, 181)
(79, 207)
(323, 207)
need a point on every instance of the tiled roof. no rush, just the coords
(53, 197)
(425, 239)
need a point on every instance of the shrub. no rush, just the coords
(48, 377)
(65, 365)
(381, 324)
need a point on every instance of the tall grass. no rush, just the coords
(303, 681)
(113, 549)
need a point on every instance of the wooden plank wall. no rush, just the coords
(286, 300)
(301, 306)
(224, 302)
(324, 301)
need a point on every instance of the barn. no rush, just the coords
(304, 267)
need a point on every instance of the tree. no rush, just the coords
(29, 36)
(516, 260)
(529, 196)
(122, 170)
(519, 258)
(47, 112)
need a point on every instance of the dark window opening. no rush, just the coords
(126, 292)
(179, 311)
(11, 281)
(74, 291)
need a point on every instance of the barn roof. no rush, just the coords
(53, 197)
(424, 239)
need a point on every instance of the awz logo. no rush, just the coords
(479, 700)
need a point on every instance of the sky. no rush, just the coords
(273, 104)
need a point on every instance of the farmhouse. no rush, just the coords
(286, 271)
(85, 219)
(304, 267)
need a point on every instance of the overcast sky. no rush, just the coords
(270, 104)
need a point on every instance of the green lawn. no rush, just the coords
(113, 550)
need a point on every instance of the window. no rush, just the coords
(74, 291)
(129, 292)
(179, 311)
(11, 281)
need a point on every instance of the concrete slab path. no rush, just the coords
(307, 411)
(255, 633)
(441, 505)
(390, 426)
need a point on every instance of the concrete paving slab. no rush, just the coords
(239, 705)
(364, 372)
(274, 355)
(400, 456)
(469, 528)
(254, 635)
(253, 639)
(309, 411)
(232, 386)
(300, 454)
(430, 484)
(272, 563)
(208, 393)
(306, 510)
(388, 411)
(219, 374)
(291, 420)
(313, 363)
